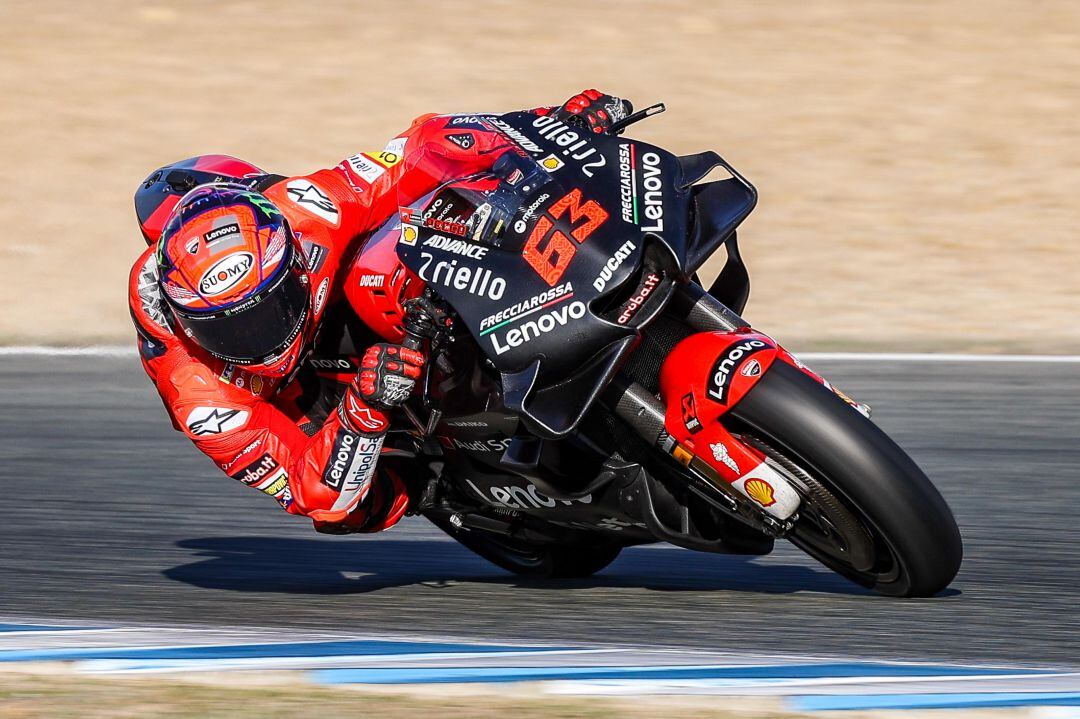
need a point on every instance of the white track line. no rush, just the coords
(91, 351)
(128, 351)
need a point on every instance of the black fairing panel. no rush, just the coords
(554, 361)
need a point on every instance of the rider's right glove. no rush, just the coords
(594, 110)
(387, 376)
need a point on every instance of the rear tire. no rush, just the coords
(544, 561)
(916, 540)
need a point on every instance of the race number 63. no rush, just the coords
(551, 260)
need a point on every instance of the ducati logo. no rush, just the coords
(752, 369)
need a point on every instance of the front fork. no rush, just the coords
(701, 379)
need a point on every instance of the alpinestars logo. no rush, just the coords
(312, 199)
(720, 376)
(214, 420)
(361, 417)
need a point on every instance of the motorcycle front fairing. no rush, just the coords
(554, 267)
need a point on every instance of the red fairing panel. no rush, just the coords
(703, 377)
(378, 283)
(719, 367)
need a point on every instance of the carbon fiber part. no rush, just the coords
(700, 310)
(657, 340)
(642, 411)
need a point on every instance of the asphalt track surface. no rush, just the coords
(110, 515)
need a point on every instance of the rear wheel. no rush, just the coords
(548, 561)
(868, 512)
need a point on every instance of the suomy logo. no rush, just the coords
(226, 273)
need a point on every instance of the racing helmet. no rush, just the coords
(233, 276)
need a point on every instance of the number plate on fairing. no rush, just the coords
(574, 238)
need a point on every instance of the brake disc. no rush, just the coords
(824, 522)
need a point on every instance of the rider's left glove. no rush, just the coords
(594, 110)
(387, 376)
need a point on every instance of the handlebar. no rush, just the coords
(617, 127)
(422, 320)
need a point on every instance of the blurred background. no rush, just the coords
(918, 163)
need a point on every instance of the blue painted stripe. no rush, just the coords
(424, 675)
(249, 651)
(41, 628)
(933, 701)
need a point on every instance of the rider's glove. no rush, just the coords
(388, 374)
(594, 110)
(386, 379)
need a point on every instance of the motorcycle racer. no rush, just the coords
(236, 286)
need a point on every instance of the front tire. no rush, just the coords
(917, 545)
(542, 561)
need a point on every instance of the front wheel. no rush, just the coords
(869, 512)
(546, 561)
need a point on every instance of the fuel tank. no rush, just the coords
(378, 283)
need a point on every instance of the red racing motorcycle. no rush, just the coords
(586, 393)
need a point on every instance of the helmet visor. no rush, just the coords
(259, 328)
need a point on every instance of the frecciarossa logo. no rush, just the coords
(719, 382)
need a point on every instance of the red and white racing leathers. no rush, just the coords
(252, 426)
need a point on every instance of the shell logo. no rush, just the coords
(760, 491)
(551, 163)
(408, 235)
